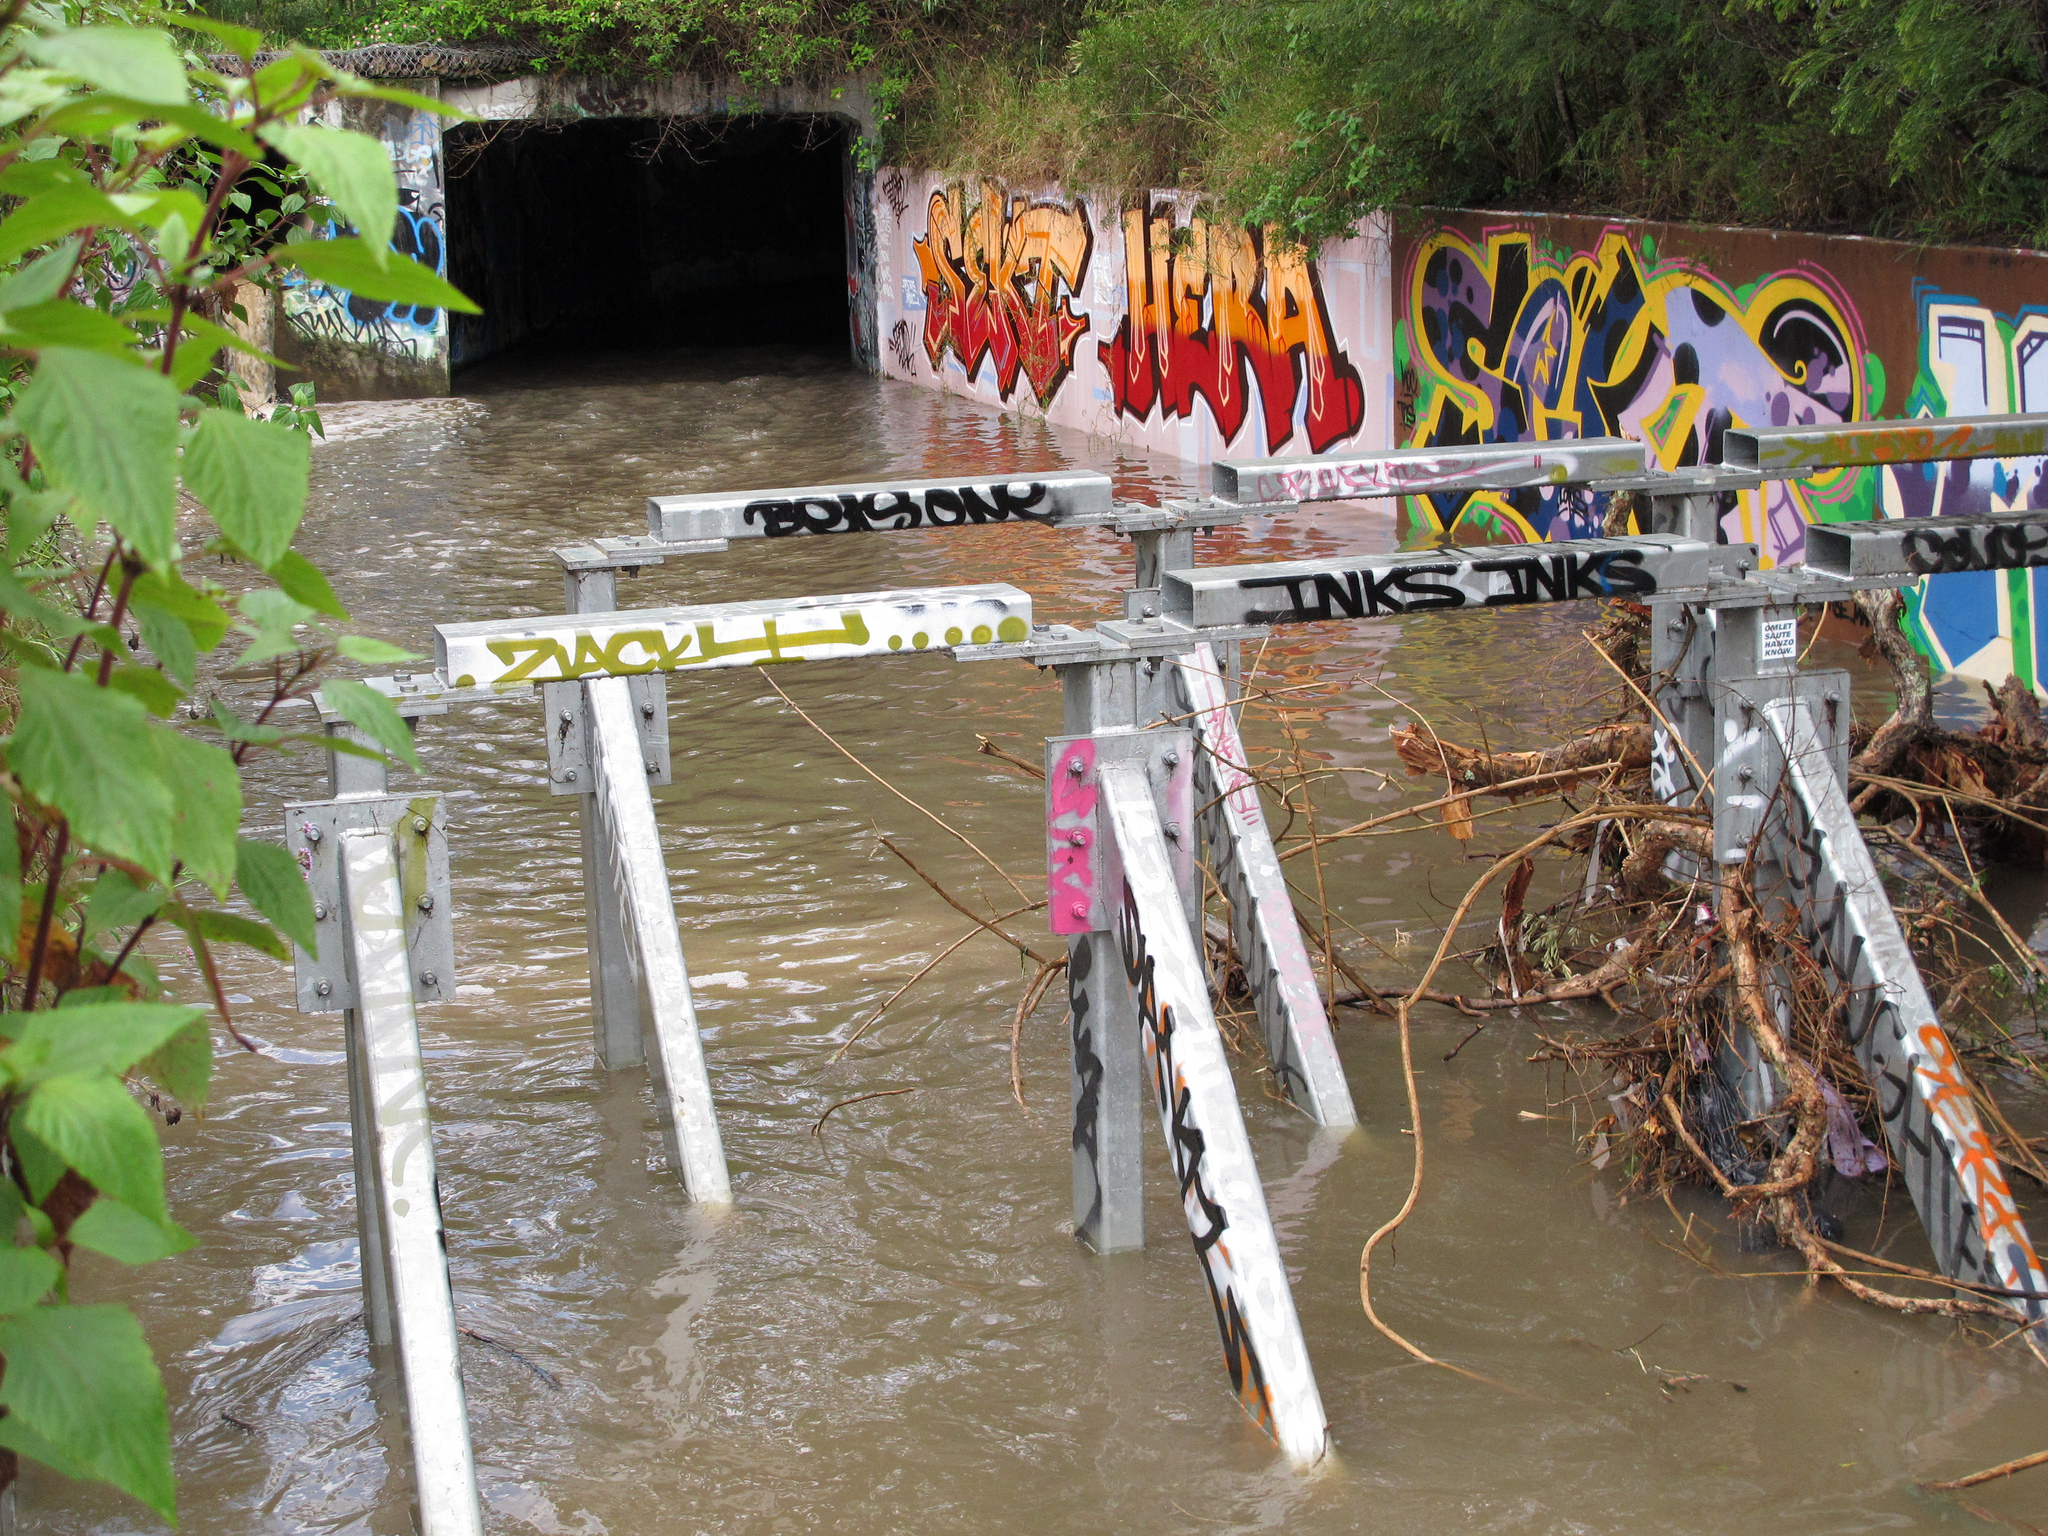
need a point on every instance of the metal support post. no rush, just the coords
(1108, 1076)
(378, 868)
(1299, 1042)
(638, 895)
(1167, 992)
(614, 998)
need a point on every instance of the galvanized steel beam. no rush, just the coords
(1425, 471)
(1204, 1129)
(501, 652)
(1370, 586)
(385, 1050)
(638, 892)
(1902, 550)
(880, 506)
(1924, 1099)
(1300, 1044)
(1793, 452)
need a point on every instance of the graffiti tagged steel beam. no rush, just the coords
(1909, 548)
(1923, 1095)
(1422, 471)
(1795, 451)
(1488, 576)
(882, 506)
(507, 652)
(1204, 1128)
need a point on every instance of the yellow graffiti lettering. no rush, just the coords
(537, 651)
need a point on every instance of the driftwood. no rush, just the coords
(1599, 751)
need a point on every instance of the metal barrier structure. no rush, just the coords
(1771, 741)
(1149, 762)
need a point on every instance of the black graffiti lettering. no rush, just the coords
(777, 518)
(1424, 594)
(1297, 608)
(1087, 1074)
(936, 502)
(2009, 546)
(1616, 572)
(1187, 1149)
(1009, 503)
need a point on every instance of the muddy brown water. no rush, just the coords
(895, 1330)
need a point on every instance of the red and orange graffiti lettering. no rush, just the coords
(1213, 310)
(999, 285)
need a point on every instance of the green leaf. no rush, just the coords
(303, 582)
(270, 877)
(108, 431)
(104, 116)
(159, 695)
(60, 324)
(353, 169)
(92, 1037)
(26, 1275)
(41, 280)
(23, 91)
(370, 712)
(235, 728)
(352, 85)
(372, 652)
(211, 923)
(90, 752)
(183, 1064)
(82, 1381)
(252, 477)
(117, 902)
(88, 1120)
(349, 264)
(39, 1165)
(51, 215)
(207, 787)
(274, 616)
(121, 1232)
(172, 593)
(140, 64)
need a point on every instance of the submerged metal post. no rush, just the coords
(378, 867)
(1299, 1041)
(638, 896)
(1107, 1081)
(614, 997)
(1199, 1116)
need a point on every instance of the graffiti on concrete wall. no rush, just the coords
(999, 282)
(863, 262)
(1974, 361)
(1509, 341)
(1227, 315)
(401, 331)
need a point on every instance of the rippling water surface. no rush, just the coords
(895, 1330)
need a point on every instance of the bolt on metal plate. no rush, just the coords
(418, 828)
(568, 732)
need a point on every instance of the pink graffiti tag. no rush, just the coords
(1070, 797)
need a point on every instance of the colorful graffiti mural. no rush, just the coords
(1220, 313)
(999, 286)
(1975, 361)
(1510, 340)
(318, 311)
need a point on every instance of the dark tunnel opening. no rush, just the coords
(638, 232)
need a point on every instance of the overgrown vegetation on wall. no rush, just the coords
(1913, 118)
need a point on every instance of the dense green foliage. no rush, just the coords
(1916, 118)
(148, 524)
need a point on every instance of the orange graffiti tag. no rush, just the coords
(999, 285)
(1953, 1110)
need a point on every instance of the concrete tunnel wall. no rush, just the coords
(584, 213)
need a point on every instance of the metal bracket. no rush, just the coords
(1748, 764)
(418, 829)
(568, 729)
(1080, 854)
